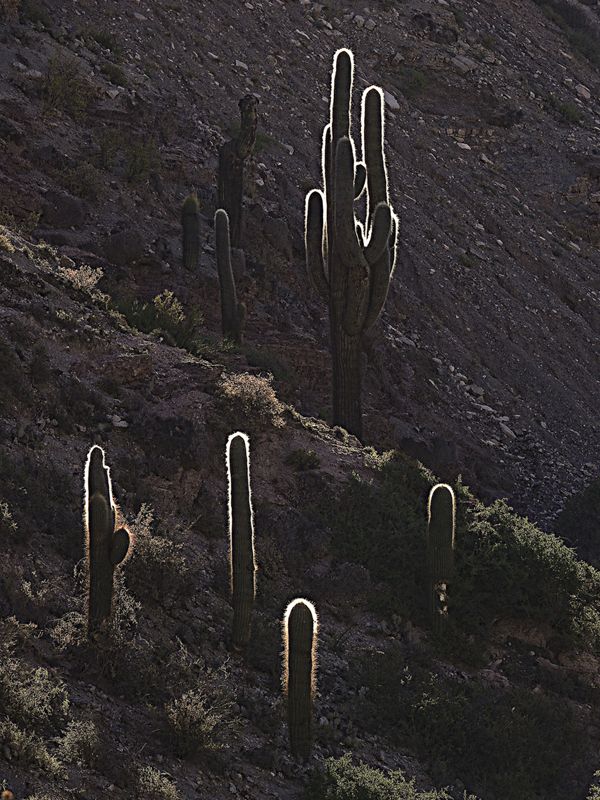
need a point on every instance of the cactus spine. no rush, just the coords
(242, 562)
(190, 223)
(441, 526)
(233, 314)
(105, 546)
(300, 640)
(351, 262)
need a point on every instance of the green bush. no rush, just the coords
(166, 317)
(81, 744)
(26, 748)
(505, 566)
(510, 744)
(303, 460)
(153, 785)
(340, 779)
(31, 697)
(65, 88)
(579, 521)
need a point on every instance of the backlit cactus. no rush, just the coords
(190, 225)
(300, 628)
(242, 563)
(233, 313)
(441, 526)
(351, 262)
(106, 547)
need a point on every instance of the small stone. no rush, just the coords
(370, 24)
(391, 101)
(583, 92)
(241, 65)
(464, 145)
(66, 262)
(507, 431)
(359, 21)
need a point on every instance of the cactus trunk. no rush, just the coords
(106, 547)
(347, 365)
(441, 527)
(190, 223)
(241, 539)
(233, 313)
(300, 632)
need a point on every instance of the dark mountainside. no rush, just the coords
(484, 366)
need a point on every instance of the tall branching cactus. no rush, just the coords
(242, 563)
(441, 526)
(351, 262)
(106, 547)
(233, 314)
(232, 158)
(190, 224)
(300, 628)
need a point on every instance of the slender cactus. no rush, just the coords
(242, 563)
(190, 224)
(105, 547)
(441, 527)
(233, 314)
(232, 157)
(300, 629)
(350, 263)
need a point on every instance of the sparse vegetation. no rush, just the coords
(8, 527)
(142, 157)
(84, 181)
(303, 460)
(154, 785)
(9, 10)
(251, 396)
(115, 73)
(81, 744)
(65, 88)
(165, 317)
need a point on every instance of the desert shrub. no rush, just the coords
(267, 361)
(153, 785)
(250, 396)
(341, 779)
(65, 88)
(6, 244)
(142, 157)
(202, 718)
(26, 748)
(8, 527)
(594, 790)
(105, 39)
(81, 744)
(412, 81)
(34, 11)
(579, 522)
(31, 697)
(511, 744)
(505, 566)
(157, 566)
(166, 317)
(84, 180)
(84, 278)
(114, 73)
(570, 112)
(302, 460)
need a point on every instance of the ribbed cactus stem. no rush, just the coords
(441, 532)
(300, 640)
(242, 563)
(190, 224)
(233, 313)
(105, 547)
(351, 262)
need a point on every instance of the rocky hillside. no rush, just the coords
(484, 365)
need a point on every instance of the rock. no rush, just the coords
(583, 92)
(391, 101)
(359, 21)
(370, 24)
(463, 64)
(124, 247)
(66, 262)
(62, 210)
(507, 431)
(476, 390)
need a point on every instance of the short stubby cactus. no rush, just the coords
(351, 262)
(190, 225)
(106, 547)
(242, 561)
(233, 313)
(441, 526)
(300, 629)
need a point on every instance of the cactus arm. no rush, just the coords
(314, 230)
(394, 243)
(360, 179)
(119, 547)
(232, 313)
(341, 95)
(241, 538)
(372, 135)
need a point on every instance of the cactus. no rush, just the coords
(106, 547)
(349, 262)
(441, 526)
(300, 629)
(232, 157)
(233, 314)
(242, 565)
(190, 223)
